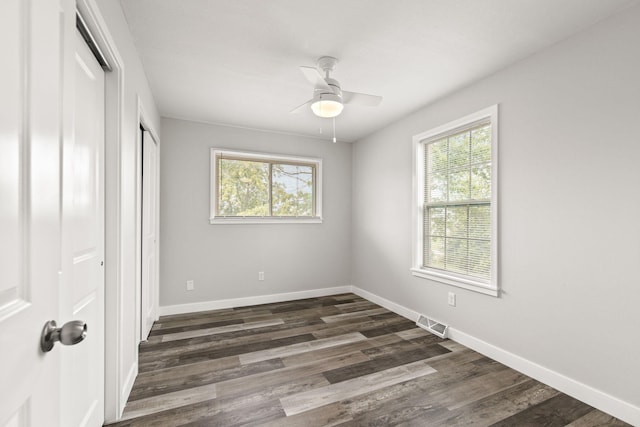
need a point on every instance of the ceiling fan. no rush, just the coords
(328, 98)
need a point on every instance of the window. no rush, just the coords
(455, 238)
(262, 188)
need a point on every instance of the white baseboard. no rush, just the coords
(389, 305)
(591, 396)
(247, 301)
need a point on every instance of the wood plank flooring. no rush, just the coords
(330, 361)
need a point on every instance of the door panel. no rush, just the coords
(149, 246)
(82, 292)
(12, 287)
(30, 135)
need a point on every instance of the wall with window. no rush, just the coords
(568, 210)
(223, 259)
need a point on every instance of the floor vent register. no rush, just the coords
(432, 326)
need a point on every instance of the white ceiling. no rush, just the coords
(236, 62)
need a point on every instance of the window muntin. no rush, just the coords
(255, 187)
(455, 233)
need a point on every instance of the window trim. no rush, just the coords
(490, 287)
(263, 157)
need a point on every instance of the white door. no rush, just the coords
(149, 224)
(50, 218)
(82, 289)
(30, 135)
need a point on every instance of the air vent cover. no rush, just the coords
(432, 326)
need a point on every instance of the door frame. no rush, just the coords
(118, 383)
(145, 123)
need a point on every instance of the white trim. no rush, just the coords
(248, 301)
(261, 155)
(583, 392)
(417, 214)
(460, 282)
(255, 155)
(127, 386)
(265, 220)
(146, 124)
(486, 113)
(114, 108)
(138, 225)
(389, 305)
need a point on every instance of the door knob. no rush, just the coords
(71, 333)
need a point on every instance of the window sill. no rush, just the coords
(263, 220)
(460, 282)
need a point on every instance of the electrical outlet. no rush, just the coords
(189, 285)
(260, 275)
(452, 299)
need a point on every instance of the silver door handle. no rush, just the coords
(71, 333)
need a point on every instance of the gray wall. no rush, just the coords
(224, 260)
(569, 210)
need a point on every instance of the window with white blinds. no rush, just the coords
(256, 187)
(456, 167)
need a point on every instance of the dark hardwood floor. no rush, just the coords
(330, 361)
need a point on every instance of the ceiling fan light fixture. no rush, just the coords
(327, 105)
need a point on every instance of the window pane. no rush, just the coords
(481, 144)
(435, 252)
(481, 182)
(457, 221)
(436, 225)
(437, 187)
(292, 190)
(456, 255)
(480, 222)
(437, 155)
(244, 188)
(459, 150)
(480, 258)
(459, 185)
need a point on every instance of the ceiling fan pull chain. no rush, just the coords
(334, 131)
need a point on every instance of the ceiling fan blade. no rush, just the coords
(301, 107)
(315, 78)
(356, 98)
